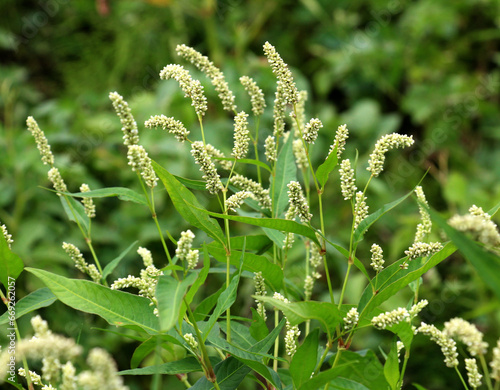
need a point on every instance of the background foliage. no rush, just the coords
(426, 68)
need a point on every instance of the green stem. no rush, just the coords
(256, 148)
(328, 281)
(349, 265)
(276, 342)
(461, 378)
(402, 375)
(202, 132)
(228, 263)
(486, 372)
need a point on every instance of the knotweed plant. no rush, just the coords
(287, 335)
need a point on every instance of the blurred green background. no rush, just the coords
(425, 68)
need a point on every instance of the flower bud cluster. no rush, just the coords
(384, 144)
(280, 69)
(241, 136)
(468, 334)
(57, 181)
(300, 154)
(377, 258)
(447, 344)
(260, 290)
(88, 203)
(184, 251)
(207, 166)
(216, 153)
(423, 249)
(473, 373)
(291, 337)
(351, 319)
(299, 116)
(103, 372)
(347, 182)
(311, 130)
(270, 149)
(417, 308)
(360, 209)
(479, 224)
(146, 256)
(7, 236)
(191, 340)
(191, 88)
(340, 140)
(139, 160)
(390, 318)
(41, 141)
(215, 74)
(279, 112)
(170, 124)
(298, 201)
(235, 201)
(256, 95)
(260, 194)
(423, 228)
(80, 262)
(495, 362)
(129, 125)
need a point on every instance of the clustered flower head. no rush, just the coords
(256, 95)
(479, 224)
(290, 215)
(311, 130)
(423, 249)
(191, 340)
(298, 201)
(207, 166)
(347, 182)
(103, 373)
(280, 69)
(390, 318)
(300, 154)
(139, 160)
(170, 124)
(215, 74)
(184, 251)
(191, 88)
(279, 112)
(88, 203)
(387, 142)
(351, 319)
(216, 153)
(270, 149)
(146, 283)
(235, 201)
(80, 263)
(340, 140)
(291, 337)
(377, 258)
(57, 180)
(360, 209)
(241, 136)
(7, 236)
(299, 115)
(41, 141)
(425, 226)
(447, 344)
(495, 362)
(417, 308)
(260, 290)
(246, 184)
(129, 125)
(468, 334)
(472, 373)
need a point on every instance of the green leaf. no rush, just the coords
(189, 364)
(305, 359)
(272, 273)
(322, 378)
(205, 306)
(230, 373)
(298, 312)
(122, 193)
(363, 367)
(245, 161)
(42, 297)
(357, 263)
(418, 387)
(272, 223)
(328, 166)
(346, 384)
(188, 206)
(391, 366)
(486, 263)
(110, 267)
(198, 185)
(75, 211)
(276, 236)
(372, 218)
(286, 171)
(404, 331)
(258, 328)
(143, 350)
(169, 293)
(11, 264)
(393, 278)
(117, 307)
(225, 301)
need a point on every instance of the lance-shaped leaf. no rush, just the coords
(122, 193)
(327, 167)
(11, 264)
(286, 171)
(42, 297)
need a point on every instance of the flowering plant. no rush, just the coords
(212, 332)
